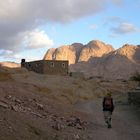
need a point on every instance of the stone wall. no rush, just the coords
(36, 66)
(55, 67)
(134, 96)
(47, 66)
(77, 75)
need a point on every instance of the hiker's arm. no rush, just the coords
(103, 102)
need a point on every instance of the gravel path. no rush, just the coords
(125, 122)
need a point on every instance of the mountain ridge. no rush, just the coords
(99, 59)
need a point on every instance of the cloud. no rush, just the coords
(124, 28)
(29, 39)
(33, 39)
(5, 52)
(37, 39)
(119, 26)
(8, 54)
(20, 18)
(53, 10)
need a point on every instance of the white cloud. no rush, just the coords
(124, 28)
(9, 54)
(33, 39)
(37, 39)
(18, 57)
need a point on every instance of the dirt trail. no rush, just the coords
(125, 122)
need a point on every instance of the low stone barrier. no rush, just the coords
(134, 96)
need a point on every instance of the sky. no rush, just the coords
(28, 28)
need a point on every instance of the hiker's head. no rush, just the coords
(109, 94)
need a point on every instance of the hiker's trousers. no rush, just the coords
(107, 117)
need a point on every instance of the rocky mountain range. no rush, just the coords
(99, 59)
(78, 52)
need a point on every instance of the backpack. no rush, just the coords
(108, 103)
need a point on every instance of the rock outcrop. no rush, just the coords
(94, 49)
(131, 52)
(49, 54)
(66, 52)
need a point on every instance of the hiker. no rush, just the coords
(108, 108)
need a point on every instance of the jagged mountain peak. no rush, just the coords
(77, 44)
(95, 48)
(129, 51)
(96, 43)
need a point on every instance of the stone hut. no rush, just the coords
(51, 67)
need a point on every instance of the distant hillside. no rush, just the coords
(9, 64)
(99, 59)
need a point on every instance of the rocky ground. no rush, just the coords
(42, 107)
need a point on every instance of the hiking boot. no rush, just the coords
(109, 126)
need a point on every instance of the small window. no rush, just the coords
(52, 64)
(63, 65)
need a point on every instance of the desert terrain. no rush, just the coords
(50, 107)
(59, 59)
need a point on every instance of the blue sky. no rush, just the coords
(42, 24)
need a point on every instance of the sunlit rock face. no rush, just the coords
(131, 52)
(65, 52)
(93, 49)
(49, 54)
